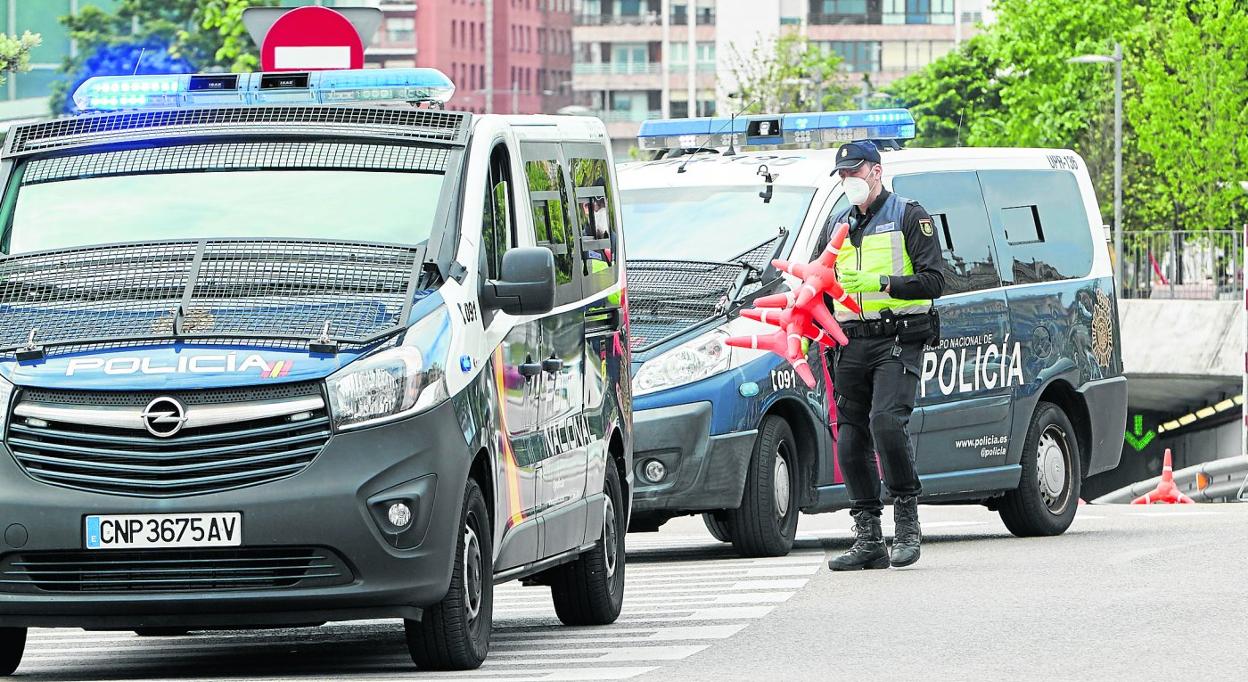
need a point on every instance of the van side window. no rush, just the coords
(1042, 216)
(548, 193)
(956, 205)
(595, 210)
(498, 220)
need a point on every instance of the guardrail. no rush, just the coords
(1225, 479)
(1172, 264)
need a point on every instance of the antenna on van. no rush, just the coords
(139, 61)
(958, 141)
(710, 136)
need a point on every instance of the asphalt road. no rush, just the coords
(1127, 593)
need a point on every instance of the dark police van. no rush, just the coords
(1020, 400)
(268, 359)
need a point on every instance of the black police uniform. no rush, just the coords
(877, 374)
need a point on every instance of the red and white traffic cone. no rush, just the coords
(1166, 491)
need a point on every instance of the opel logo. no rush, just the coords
(163, 417)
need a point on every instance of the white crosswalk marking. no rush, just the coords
(682, 596)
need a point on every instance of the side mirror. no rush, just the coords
(528, 283)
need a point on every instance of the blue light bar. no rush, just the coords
(116, 93)
(827, 127)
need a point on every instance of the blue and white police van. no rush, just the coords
(1021, 399)
(287, 348)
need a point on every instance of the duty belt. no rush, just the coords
(889, 327)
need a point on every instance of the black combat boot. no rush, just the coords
(907, 536)
(869, 550)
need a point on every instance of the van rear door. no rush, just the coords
(963, 411)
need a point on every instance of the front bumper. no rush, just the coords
(704, 472)
(423, 458)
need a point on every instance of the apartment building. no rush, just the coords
(505, 56)
(641, 59)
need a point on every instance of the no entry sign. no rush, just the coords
(311, 39)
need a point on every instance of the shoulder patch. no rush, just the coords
(925, 224)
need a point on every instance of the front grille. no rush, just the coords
(173, 570)
(101, 446)
(666, 297)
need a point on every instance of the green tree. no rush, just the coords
(15, 52)
(1189, 114)
(149, 36)
(791, 74)
(952, 92)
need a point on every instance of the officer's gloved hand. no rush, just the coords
(858, 282)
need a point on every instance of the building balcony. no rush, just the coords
(616, 68)
(706, 18)
(596, 80)
(879, 32)
(626, 116)
(683, 68)
(649, 19)
(646, 33)
(838, 19)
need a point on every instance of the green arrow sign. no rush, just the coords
(1139, 440)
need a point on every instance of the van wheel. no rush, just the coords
(717, 523)
(161, 632)
(12, 646)
(590, 590)
(766, 521)
(454, 634)
(1048, 493)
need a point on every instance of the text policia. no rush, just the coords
(968, 364)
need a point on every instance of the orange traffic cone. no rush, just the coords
(1166, 491)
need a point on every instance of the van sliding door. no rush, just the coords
(963, 410)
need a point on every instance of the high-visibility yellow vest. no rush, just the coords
(882, 251)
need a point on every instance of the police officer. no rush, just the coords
(891, 263)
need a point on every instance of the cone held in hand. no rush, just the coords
(802, 313)
(777, 342)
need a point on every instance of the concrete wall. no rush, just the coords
(1182, 338)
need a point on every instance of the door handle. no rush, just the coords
(552, 365)
(528, 370)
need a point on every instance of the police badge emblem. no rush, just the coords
(925, 224)
(1102, 330)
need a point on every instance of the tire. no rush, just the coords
(452, 634)
(590, 590)
(12, 646)
(766, 522)
(1050, 456)
(161, 632)
(717, 523)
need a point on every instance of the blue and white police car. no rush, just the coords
(288, 348)
(1021, 399)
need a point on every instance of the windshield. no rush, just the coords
(708, 223)
(53, 208)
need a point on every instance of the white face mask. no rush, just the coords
(856, 190)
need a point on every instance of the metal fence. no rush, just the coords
(1167, 264)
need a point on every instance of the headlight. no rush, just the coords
(6, 393)
(396, 382)
(700, 358)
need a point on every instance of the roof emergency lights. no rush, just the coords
(116, 93)
(828, 127)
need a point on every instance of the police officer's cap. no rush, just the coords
(852, 154)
